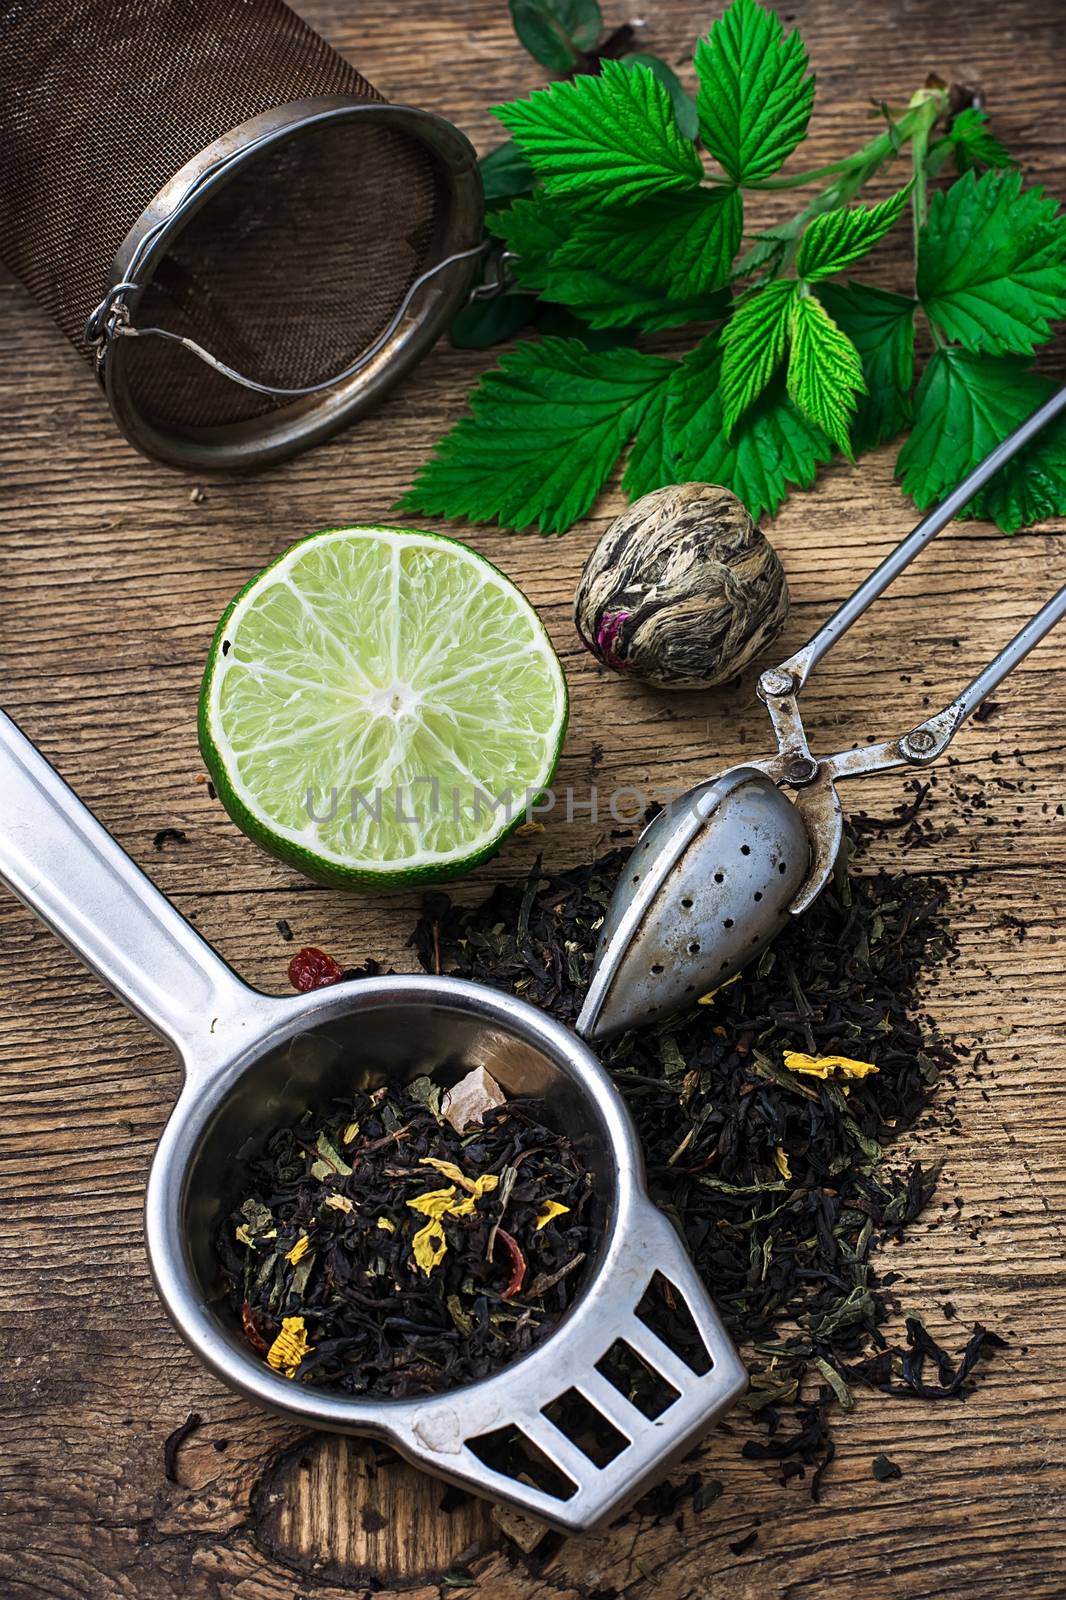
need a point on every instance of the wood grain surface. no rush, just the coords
(113, 575)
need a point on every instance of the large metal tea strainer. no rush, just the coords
(254, 1062)
(226, 218)
(714, 878)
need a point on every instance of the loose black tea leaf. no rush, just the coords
(381, 1251)
(780, 1177)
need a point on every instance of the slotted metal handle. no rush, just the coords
(444, 1434)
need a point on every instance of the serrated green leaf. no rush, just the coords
(837, 239)
(546, 428)
(557, 32)
(974, 144)
(881, 327)
(754, 99)
(605, 302)
(967, 404)
(824, 371)
(682, 245)
(532, 230)
(772, 447)
(753, 345)
(684, 106)
(650, 464)
(505, 173)
(992, 264)
(615, 134)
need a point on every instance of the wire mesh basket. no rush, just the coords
(245, 239)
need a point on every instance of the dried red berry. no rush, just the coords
(251, 1330)
(313, 969)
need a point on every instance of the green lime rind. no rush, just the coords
(322, 687)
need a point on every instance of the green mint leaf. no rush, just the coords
(557, 32)
(753, 345)
(615, 134)
(992, 264)
(505, 173)
(771, 448)
(487, 322)
(881, 327)
(965, 405)
(824, 371)
(682, 245)
(651, 464)
(755, 99)
(973, 144)
(837, 239)
(546, 428)
(688, 120)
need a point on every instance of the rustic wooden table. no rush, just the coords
(113, 576)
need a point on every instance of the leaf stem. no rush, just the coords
(851, 175)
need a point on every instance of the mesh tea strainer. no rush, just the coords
(225, 217)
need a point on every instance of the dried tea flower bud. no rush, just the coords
(683, 590)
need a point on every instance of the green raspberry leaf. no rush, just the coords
(837, 239)
(974, 144)
(881, 327)
(546, 428)
(753, 345)
(755, 99)
(964, 406)
(992, 264)
(532, 230)
(651, 462)
(684, 106)
(557, 32)
(771, 447)
(824, 371)
(615, 134)
(682, 245)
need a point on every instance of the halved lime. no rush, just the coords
(381, 707)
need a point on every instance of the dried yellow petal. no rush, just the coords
(299, 1249)
(781, 1162)
(429, 1245)
(550, 1209)
(242, 1235)
(448, 1169)
(435, 1202)
(290, 1347)
(827, 1066)
(350, 1133)
(705, 999)
(386, 1225)
(339, 1202)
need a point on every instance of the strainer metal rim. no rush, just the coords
(292, 428)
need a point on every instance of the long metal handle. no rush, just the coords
(931, 738)
(67, 868)
(800, 666)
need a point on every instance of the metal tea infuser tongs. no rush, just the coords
(714, 877)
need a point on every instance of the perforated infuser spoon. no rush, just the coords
(715, 877)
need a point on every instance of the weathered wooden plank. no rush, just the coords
(112, 579)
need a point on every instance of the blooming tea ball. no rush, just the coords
(683, 590)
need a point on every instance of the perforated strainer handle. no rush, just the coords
(603, 1407)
